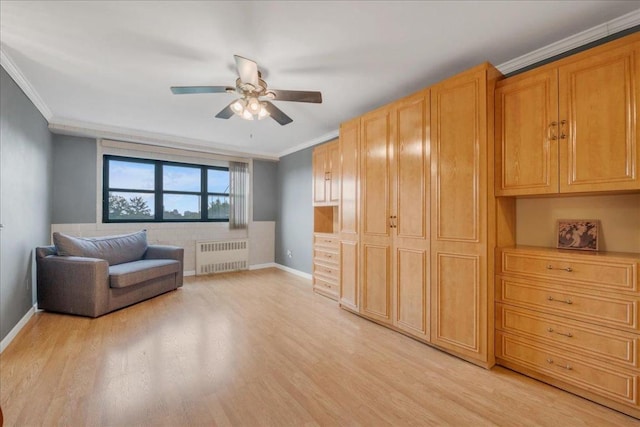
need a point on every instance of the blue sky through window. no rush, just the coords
(140, 176)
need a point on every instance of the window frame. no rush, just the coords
(159, 191)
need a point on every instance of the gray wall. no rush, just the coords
(25, 199)
(265, 190)
(294, 226)
(74, 180)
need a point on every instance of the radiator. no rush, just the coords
(221, 256)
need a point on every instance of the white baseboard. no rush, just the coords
(16, 329)
(294, 271)
(188, 273)
(261, 266)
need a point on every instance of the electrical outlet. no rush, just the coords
(289, 254)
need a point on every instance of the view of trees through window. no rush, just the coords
(152, 190)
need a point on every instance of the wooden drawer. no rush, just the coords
(595, 271)
(330, 241)
(326, 257)
(326, 272)
(598, 342)
(598, 308)
(326, 288)
(617, 384)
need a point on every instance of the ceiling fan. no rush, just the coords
(252, 88)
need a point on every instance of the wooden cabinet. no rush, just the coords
(464, 215)
(571, 126)
(419, 220)
(571, 319)
(326, 265)
(326, 248)
(326, 176)
(395, 214)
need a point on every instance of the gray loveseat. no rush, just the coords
(94, 276)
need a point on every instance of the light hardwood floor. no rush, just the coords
(259, 348)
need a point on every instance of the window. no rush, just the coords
(139, 190)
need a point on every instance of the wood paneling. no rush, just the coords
(598, 99)
(411, 291)
(526, 137)
(571, 126)
(349, 179)
(457, 304)
(349, 286)
(456, 116)
(376, 281)
(571, 319)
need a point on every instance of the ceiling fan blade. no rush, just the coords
(226, 112)
(297, 96)
(277, 114)
(247, 70)
(182, 90)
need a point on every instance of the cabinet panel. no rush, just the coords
(456, 302)
(598, 99)
(588, 270)
(616, 384)
(376, 283)
(615, 311)
(319, 175)
(333, 158)
(376, 174)
(412, 167)
(456, 110)
(412, 300)
(526, 135)
(349, 275)
(349, 179)
(598, 342)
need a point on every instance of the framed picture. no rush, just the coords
(581, 234)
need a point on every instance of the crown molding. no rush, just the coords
(324, 138)
(592, 34)
(12, 69)
(94, 130)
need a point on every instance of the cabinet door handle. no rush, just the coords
(564, 301)
(551, 134)
(567, 366)
(563, 135)
(567, 269)
(565, 334)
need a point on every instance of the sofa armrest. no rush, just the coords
(74, 285)
(167, 252)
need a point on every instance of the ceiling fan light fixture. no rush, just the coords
(263, 113)
(253, 105)
(237, 107)
(246, 114)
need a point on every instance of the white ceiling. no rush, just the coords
(105, 68)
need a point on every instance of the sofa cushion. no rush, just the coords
(132, 273)
(114, 249)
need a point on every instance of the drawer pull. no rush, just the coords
(564, 301)
(328, 256)
(567, 269)
(568, 334)
(567, 367)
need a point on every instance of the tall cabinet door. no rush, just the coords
(333, 158)
(319, 175)
(349, 154)
(459, 209)
(599, 141)
(527, 134)
(375, 216)
(411, 172)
